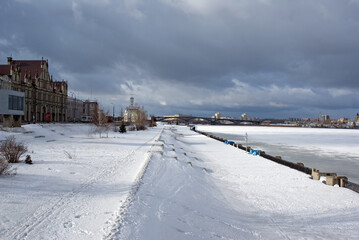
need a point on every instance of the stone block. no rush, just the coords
(332, 180)
(342, 180)
(315, 174)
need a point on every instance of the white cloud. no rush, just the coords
(77, 14)
(339, 92)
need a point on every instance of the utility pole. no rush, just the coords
(72, 95)
(246, 142)
(113, 111)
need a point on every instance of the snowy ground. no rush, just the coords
(62, 198)
(203, 189)
(192, 188)
(329, 150)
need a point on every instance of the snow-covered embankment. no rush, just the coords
(203, 189)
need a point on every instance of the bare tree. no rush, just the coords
(12, 150)
(141, 120)
(102, 124)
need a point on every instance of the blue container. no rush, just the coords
(228, 142)
(255, 152)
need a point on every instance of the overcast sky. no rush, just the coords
(268, 58)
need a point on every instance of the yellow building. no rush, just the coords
(134, 113)
(45, 99)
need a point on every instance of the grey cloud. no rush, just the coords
(288, 44)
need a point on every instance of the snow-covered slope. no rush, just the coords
(76, 186)
(203, 189)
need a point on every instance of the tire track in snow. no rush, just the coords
(45, 212)
(121, 214)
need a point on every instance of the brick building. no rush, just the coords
(45, 99)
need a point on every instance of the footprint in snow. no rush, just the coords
(68, 224)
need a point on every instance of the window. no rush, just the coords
(16, 102)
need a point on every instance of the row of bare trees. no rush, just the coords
(103, 126)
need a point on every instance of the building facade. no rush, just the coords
(45, 99)
(134, 113)
(90, 109)
(74, 109)
(11, 104)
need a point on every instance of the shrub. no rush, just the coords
(12, 150)
(122, 128)
(131, 128)
(4, 167)
(140, 127)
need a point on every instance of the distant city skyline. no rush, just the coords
(269, 59)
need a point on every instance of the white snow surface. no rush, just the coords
(326, 149)
(164, 183)
(62, 198)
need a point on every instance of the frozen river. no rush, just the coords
(329, 150)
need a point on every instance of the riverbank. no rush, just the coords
(199, 188)
(329, 150)
(278, 159)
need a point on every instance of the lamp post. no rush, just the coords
(72, 95)
(113, 111)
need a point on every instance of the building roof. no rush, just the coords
(29, 67)
(4, 69)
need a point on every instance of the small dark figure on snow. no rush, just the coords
(28, 159)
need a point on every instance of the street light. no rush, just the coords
(113, 111)
(72, 94)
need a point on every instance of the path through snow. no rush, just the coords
(78, 198)
(200, 188)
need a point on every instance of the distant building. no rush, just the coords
(45, 99)
(134, 113)
(90, 109)
(11, 104)
(244, 116)
(75, 109)
(325, 117)
(342, 120)
(217, 115)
